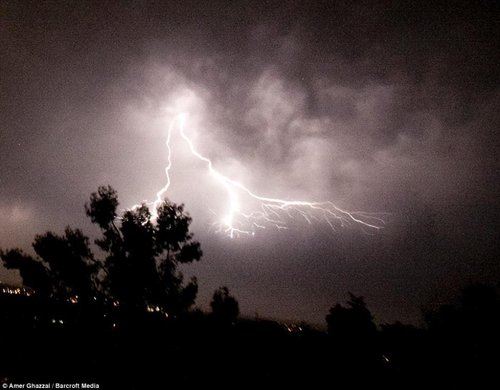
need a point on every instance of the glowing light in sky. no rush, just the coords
(248, 212)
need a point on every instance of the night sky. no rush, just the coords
(391, 108)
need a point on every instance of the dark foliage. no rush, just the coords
(466, 338)
(54, 340)
(34, 274)
(354, 340)
(143, 252)
(139, 270)
(123, 322)
(224, 306)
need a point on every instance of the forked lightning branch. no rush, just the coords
(248, 212)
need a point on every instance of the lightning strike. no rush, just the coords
(270, 212)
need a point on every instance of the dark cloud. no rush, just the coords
(386, 108)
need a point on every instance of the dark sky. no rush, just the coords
(390, 108)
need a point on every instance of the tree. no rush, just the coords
(465, 335)
(34, 274)
(64, 267)
(354, 321)
(141, 256)
(143, 252)
(353, 334)
(71, 263)
(224, 306)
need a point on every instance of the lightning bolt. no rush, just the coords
(271, 212)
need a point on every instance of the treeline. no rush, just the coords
(124, 318)
(46, 340)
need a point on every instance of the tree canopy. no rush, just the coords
(137, 266)
(224, 306)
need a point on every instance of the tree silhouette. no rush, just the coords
(143, 253)
(224, 306)
(71, 263)
(64, 267)
(465, 336)
(353, 336)
(354, 322)
(34, 274)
